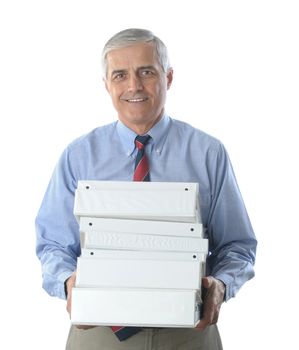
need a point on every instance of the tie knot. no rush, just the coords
(141, 141)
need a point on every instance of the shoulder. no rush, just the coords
(188, 133)
(199, 145)
(95, 138)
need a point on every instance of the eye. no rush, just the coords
(146, 73)
(119, 76)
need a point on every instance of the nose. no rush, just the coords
(135, 83)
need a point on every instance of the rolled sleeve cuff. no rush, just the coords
(56, 288)
(229, 290)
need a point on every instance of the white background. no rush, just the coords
(236, 77)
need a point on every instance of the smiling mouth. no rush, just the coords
(136, 100)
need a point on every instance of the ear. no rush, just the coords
(106, 85)
(169, 77)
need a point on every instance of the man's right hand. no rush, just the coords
(70, 283)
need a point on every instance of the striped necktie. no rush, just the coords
(141, 173)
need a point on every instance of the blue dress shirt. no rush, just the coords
(176, 152)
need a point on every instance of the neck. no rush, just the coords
(142, 128)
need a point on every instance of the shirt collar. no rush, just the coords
(158, 134)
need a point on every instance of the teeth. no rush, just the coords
(136, 100)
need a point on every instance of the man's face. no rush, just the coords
(137, 85)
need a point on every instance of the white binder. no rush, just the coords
(136, 185)
(131, 273)
(135, 307)
(135, 241)
(137, 200)
(142, 227)
(141, 255)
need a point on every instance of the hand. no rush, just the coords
(213, 296)
(70, 283)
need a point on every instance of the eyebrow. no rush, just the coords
(119, 71)
(147, 68)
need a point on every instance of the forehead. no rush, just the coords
(142, 54)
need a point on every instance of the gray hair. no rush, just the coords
(133, 36)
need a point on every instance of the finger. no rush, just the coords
(210, 305)
(202, 325)
(84, 327)
(69, 305)
(70, 283)
(207, 282)
(208, 316)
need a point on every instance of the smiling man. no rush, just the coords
(137, 75)
(137, 85)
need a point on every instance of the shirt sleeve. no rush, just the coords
(232, 243)
(58, 243)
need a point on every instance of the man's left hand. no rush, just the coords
(213, 296)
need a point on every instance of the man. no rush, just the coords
(137, 75)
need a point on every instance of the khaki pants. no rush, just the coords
(102, 338)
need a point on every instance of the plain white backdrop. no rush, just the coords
(236, 77)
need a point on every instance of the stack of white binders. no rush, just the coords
(142, 254)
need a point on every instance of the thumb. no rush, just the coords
(207, 282)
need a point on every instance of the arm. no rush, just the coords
(57, 231)
(232, 240)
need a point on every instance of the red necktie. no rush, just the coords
(141, 173)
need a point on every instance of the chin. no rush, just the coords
(139, 119)
(138, 116)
